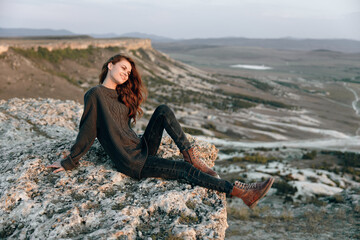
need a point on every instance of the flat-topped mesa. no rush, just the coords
(73, 43)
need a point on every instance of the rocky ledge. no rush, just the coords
(94, 201)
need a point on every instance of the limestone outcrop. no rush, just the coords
(83, 43)
(93, 201)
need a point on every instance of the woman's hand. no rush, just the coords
(57, 166)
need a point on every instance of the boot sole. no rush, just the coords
(263, 194)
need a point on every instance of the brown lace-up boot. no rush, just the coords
(251, 193)
(191, 156)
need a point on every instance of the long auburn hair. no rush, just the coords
(132, 92)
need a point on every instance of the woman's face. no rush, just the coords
(120, 71)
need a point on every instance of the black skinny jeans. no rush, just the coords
(164, 118)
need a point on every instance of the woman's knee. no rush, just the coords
(163, 109)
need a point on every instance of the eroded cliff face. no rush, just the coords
(51, 44)
(94, 200)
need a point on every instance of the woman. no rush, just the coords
(108, 110)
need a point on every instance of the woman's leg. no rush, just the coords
(164, 118)
(178, 170)
(170, 169)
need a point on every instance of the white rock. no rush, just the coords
(93, 201)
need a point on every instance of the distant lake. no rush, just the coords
(253, 67)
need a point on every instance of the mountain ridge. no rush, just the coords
(343, 45)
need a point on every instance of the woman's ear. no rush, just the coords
(110, 65)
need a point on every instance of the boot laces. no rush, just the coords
(246, 185)
(194, 154)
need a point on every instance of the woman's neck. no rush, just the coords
(109, 84)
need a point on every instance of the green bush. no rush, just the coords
(256, 83)
(57, 55)
(349, 161)
(209, 126)
(284, 188)
(254, 99)
(254, 158)
(184, 219)
(310, 155)
(193, 131)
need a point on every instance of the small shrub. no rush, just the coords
(209, 126)
(288, 177)
(254, 158)
(92, 205)
(238, 213)
(187, 219)
(230, 150)
(310, 155)
(286, 216)
(316, 201)
(190, 204)
(118, 206)
(193, 131)
(262, 149)
(110, 192)
(337, 198)
(312, 179)
(284, 188)
(77, 196)
(57, 55)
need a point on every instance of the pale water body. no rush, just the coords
(252, 67)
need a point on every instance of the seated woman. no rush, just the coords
(108, 109)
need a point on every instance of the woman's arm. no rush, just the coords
(85, 138)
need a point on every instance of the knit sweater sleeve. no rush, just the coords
(87, 133)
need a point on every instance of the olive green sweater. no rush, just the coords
(106, 118)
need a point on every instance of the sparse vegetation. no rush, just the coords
(110, 192)
(337, 198)
(193, 131)
(284, 188)
(349, 162)
(256, 83)
(253, 158)
(77, 196)
(152, 81)
(288, 84)
(143, 54)
(184, 219)
(310, 155)
(118, 206)
(263, 149)
(181, 97)
(254, 99)
(58, 55)
(190, 204)
(209, 126)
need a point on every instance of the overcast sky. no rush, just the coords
(190, 18)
